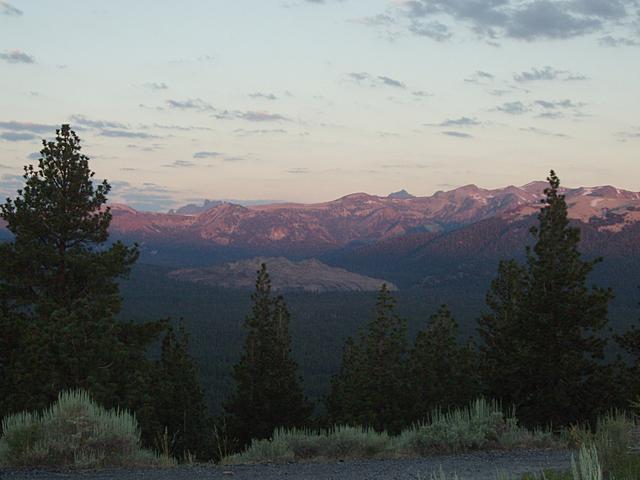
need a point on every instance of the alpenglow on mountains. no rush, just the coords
(312, 229)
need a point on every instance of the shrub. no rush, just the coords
(74, 432)
(481, 425)
(294, 445)
(588, 466)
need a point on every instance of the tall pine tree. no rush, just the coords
(178, 399)
(370, 387)
(269, 391)
(541, 340)
(442, 373)
(59, 290)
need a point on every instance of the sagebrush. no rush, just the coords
(481, 425)
(74, 432)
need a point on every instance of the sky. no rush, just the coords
(310, 100)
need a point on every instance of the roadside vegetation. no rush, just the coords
(75, 432)
(480, 426)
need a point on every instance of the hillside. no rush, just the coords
(286, 275)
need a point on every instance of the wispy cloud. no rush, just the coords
(558, 104)
(375, 80)
(630, 134)
(421, 94)
(181, 164)
(16, 56)
(480, 77)
(205, 154)
(190, 104)
(263, 96)
(610, 41)
(391, 82)
(456, 122)
(83, 121)
(146, 196)
(244, 132)
(513, 108)
(454, 133)
(156, 85)
(113, 133)
(18, 136)
(7, 9)
(547, 73)
(298, 171)
(545, 133)
(253, 116)
(28, 127)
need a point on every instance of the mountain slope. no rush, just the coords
(307, 275)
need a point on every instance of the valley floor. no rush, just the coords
(470, 466)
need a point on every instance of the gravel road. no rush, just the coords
(471, 466)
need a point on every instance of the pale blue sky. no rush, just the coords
(307, 100)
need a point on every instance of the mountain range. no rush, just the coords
(402, 238)
(314, 229)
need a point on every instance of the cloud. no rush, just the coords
(558, 104)
(528, 20)
(113, 133)
(513, 108)
(375, 81)
(359, 76)
(181, 164)
(609, 41)
(16, 56)
(545, 133)
(243, 132)
(190, 104)
(546, 73)
(206, 154)
(9, 184)
(480, 76)
(18, 136)
(89, 123)
(7, 9)
(28, 127)
(253, 116)
(453, 133)
(456, 122)
(434, 30)
(298, 171)
(181, 127)
(551, 115)
(630, 134)
(264, 96)
(156, 85)
(391, 82)
(144, 197)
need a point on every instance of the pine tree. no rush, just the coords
(442, 372)
(268, 392)
(344, 400)
(59, 289)
(541, 340)
(178, 399)
(369, 390)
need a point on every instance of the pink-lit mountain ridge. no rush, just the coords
(362, 218)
